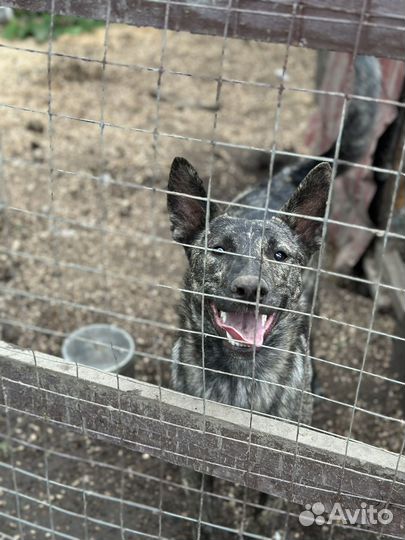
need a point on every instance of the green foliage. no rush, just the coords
(26, 24)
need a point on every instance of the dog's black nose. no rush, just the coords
(245, 288)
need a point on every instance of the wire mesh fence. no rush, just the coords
(90, 126)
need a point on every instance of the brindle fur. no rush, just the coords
(283, 371)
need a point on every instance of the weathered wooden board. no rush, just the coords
(176, 428)
(317, 24)
(394, 275)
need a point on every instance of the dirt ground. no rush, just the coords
(76, 250)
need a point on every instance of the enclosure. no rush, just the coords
(90, 124)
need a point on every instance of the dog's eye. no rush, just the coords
(280, 256)
(218, 249)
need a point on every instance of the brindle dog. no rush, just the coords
(253, 283)
(247, 263)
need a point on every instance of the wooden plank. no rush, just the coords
(173, 427)
(317, 24)
(394, 275)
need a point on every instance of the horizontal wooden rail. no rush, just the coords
(317, 24)
(176, 428)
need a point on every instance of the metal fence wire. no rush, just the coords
(90, 125)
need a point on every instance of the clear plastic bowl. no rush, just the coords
(102, 346)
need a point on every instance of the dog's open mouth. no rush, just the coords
(243, 329)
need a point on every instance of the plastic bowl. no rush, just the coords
(102, 346)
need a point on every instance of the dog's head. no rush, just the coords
(241, 263)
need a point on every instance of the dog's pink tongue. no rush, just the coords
(245, 327)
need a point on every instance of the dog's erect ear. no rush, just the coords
(187, 215)
(310, 200)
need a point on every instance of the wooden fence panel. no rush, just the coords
(174, 428)
(317, 24)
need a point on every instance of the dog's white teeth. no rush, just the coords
(233, 341)
(230, 339)
(223, 316)
(264, 319)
